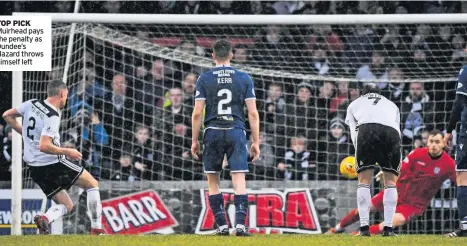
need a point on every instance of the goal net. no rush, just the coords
(131, 97)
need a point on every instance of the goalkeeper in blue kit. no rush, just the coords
(225, 91)
(459, 112)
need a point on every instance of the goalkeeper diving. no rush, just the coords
(422, 174)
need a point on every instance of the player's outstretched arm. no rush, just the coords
(10, 117)
(457, 108)
(196, 126)
(253, 118)
(46, 145)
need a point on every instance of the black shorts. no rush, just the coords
(56, 177)
(380, 144)
(461, 154)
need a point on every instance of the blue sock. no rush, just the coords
(241, 207)
(462, 205)
(217, 206)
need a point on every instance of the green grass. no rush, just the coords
(257, 240)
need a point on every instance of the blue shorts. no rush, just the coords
(461, 154)
(229, 142)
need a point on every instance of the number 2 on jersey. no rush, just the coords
(221, 110)
(31, 127)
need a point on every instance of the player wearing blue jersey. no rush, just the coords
(459, 112)
(224, 91)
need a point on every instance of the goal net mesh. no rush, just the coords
(132, 87)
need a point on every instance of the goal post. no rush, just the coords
(16, 160)
(103, 46)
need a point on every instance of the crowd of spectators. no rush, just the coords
(130, 113)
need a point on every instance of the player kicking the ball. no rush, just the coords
(50, 168)
(224, 91)
(374, 127)
(423, 173)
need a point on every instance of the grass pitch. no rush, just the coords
(257, 240)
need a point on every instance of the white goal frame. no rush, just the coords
(193, 19)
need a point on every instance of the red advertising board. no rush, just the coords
(137, 213)
(270, 212)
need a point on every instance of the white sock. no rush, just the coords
(363, 203)
(94, 207)
(338, 227)
(56, 212)
(464, 223)
(240, 226)
(390, 203)
(222, 227)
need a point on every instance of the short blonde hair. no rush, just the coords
(298, 140)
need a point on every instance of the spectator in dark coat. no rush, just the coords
(91, 137)
(323, 100)
(395, 90)
(142, 151)
(272, 113)
(296, 164)
(123, 168)
(333, 148)
(301, 115)
(88, 89)
(171, 125)
(159, 84)
(416, 110)
(119, 113)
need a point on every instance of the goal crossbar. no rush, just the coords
(253, 19)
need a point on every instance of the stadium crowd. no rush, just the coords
(130, 113)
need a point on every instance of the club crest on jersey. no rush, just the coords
(197, 93)
(270, 212)
(437, 169)
(459, 85)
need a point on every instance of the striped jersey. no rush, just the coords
(40, 118)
